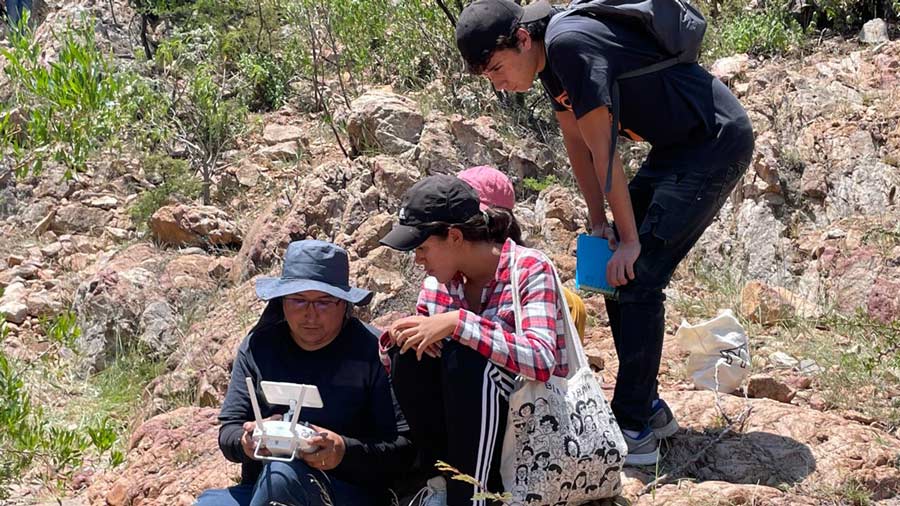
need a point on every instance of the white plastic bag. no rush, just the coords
(720, 356)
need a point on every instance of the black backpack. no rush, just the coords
(676, 25)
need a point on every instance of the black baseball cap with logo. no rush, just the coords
(482, 22)
(429, 205)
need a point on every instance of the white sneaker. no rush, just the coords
(433, 494)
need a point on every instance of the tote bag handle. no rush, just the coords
(574, 349)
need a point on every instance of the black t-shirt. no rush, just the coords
(688, 116)
(354, 387)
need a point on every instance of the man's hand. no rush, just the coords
(249, 444)
(620, 269)
(330, 450)
(605, 231)
(424, 333)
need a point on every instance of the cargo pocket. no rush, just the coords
(653, 235)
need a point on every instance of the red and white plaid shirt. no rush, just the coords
(539, 350)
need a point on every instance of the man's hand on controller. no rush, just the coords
(249, 444)
(329, 450)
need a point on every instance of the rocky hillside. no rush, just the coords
(807, 251)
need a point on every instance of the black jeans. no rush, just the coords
(672, 212)
(456, 407)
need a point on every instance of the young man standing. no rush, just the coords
(702, 143)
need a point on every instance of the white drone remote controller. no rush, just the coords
(281, 437)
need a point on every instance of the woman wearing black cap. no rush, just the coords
(453, 364)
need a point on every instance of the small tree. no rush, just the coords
(213, 124)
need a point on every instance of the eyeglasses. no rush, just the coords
(319, 305)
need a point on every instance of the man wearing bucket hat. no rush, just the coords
(308, 334)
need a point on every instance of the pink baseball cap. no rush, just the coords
(493, 187)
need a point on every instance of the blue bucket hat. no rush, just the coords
(313, 265)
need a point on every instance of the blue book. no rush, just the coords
(591, 257)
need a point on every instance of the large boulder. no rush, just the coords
(139, 294)
(205, 226)
(201, 364)
(171, 459)
(80, 219)
(436, 152)
(563, 204)
(335, 197)
(770, 305)
(393, 177)
(875, 31)
(870, 187)
(760, 245)
(276, 134)
(110, 304)
(384, 122)
(54, 183)
(13, 303)
(730, 67)
(479, 141)
(160, 328)
(188, 274)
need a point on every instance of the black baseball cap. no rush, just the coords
(482, 22)
(441, 199)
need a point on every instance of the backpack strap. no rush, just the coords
(649, 69)
(588, 9)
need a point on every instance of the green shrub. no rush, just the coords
(267, 77)
(757, 33)
(67, 109)
(62, 329)
(176, 180)
(37, 444)
(849, 15)
(27, 439)
(407, 43)
(538, 185)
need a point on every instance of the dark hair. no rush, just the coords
(526, 405)
(570, 439)
(515, 230)
(554, 467)
(582, 474)
(491, 225)
(536, 29)
(552, 420)
(580, 405)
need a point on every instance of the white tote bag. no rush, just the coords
(719, 356)
(562, 442)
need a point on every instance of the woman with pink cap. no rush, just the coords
(496, 190)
